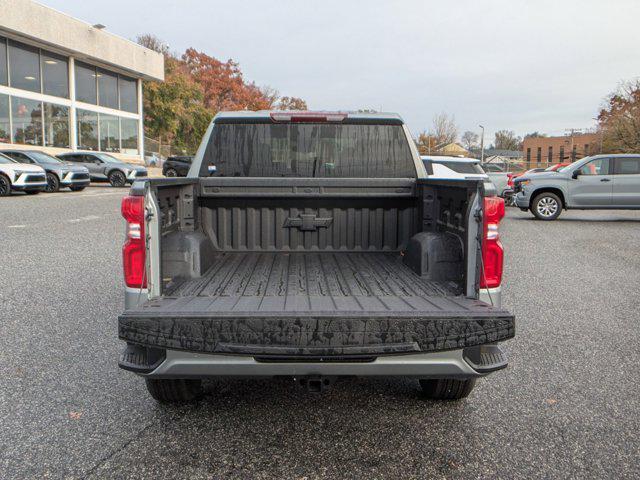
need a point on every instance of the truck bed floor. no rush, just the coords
(325, 281)
(313, 304)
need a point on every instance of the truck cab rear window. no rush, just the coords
(308, 150)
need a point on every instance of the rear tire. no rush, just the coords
(171, 172)
(5, 186)
(174, 390)
(53, 184)
(117, 179)
(446, 388)
(546, 206)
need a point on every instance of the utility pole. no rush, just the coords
(572, 132)
(482, 145)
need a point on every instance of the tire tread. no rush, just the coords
(447, 388)
(174, 390)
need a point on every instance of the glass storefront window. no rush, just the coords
(55, 75)
(129, 129)
(26, 118)
(3, 61)
(25, 67)
(109, 133)
(87, 130)
(108, 89)
(5, 124)
(56, 125)
(128, 94)
(85, 83)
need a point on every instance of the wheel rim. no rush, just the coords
(547, 206)
(118, 179)
(51, 184)
(4, 186)
(171, 173)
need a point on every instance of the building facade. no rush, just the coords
(541, 152)
(66, 85)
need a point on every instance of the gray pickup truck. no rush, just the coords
(597, 182)
(312, 246)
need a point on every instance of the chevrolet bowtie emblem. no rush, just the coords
(307, 222)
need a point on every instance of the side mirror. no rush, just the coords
(575, 174)
(211, 169)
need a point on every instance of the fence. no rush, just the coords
(156, 152)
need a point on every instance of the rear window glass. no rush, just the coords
(462, 167)
(309, 150)
(628, 166)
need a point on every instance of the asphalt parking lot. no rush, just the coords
(568, 406)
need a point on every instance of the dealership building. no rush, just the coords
(69, 85)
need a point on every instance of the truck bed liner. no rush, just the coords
(340, 282)
(323, 303)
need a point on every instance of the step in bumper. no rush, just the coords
(448, 364)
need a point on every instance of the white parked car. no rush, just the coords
(20, 176)
(454, 167)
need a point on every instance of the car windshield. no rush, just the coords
(5, 159)
(42, 157)
(107, 158)
(461, 167)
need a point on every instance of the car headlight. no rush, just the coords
(17, 173)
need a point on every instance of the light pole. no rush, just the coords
(482, 145)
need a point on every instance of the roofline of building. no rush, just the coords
(43, 26)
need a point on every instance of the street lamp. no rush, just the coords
(482, 145)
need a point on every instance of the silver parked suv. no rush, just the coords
(60, 174)
(103, 166)
(597, 182)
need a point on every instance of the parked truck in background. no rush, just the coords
(598, 182)
(312, 246)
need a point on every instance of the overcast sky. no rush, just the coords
(519, 65)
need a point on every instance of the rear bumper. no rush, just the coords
(449, 364)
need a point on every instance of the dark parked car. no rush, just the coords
(103, 166)
(60, 174)
(177, 166)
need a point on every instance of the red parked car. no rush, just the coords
(554, 168)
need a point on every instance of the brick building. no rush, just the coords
(546, 151)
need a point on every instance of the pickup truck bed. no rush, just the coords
(323, 303)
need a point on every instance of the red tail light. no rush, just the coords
(492, 251)
(134, 251)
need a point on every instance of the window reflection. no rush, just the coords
(56, 126)
(85, 83)
(108, 89)
(128, 95)
(3, 61)
(87, 130)
(25, 67)
(27, 121)
(55, 75)
(129, 128)
(5, 125)
(109, 133)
